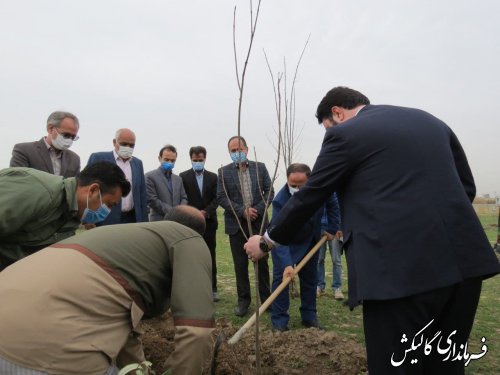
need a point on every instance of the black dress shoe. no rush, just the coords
(312, 324)
(240, 310)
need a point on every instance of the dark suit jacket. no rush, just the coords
(206, 201)
(405, 191)
(36, 155)
(138, 188)
(160, 200)
(260, 189)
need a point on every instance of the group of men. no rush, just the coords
(415, 249)
(45, 199)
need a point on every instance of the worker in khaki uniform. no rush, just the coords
(79, 310)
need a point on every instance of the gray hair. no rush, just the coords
(55, 119)
(119, 132)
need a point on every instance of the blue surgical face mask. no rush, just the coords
(198, 165)
(91, 217)
(238, 157)
(167, 166)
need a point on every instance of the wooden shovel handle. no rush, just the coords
(250, 322)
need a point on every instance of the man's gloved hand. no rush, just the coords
(143, 368)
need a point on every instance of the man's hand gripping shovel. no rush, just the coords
(250, 322)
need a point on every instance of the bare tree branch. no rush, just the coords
(288, 139)
(241, 83)
(234, 49)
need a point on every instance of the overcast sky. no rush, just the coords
(165, 69)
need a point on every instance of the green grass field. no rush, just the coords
(334, 316)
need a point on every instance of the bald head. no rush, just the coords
(125, 133)
(188, 216)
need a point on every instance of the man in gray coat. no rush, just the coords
(164, 189)
(51, 153)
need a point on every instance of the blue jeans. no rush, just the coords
(335, 251)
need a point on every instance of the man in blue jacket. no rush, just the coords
(133, 207)
(285, 257)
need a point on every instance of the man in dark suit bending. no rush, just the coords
(201, 190)
(416, 251)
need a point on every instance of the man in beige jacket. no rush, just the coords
(75, 307)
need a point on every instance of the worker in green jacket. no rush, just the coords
(38, 209)
(79, 311)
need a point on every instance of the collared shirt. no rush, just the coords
(128, 201)
(359, 109)
(55, 157)
(168, 176)
(199, 179)
(246, 187)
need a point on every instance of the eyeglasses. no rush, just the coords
(67, 135)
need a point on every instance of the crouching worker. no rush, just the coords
(75, 307)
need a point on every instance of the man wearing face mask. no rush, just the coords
(201, 189)
(51, 153)
(133, 207)
(38, 209)
(164, 189)
(285, 257)
(243, 187)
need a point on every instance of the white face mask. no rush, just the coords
(125, 152)
(292, 190)
(62, 143)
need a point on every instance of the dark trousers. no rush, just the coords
(240, 259)
(308, 277)
(127, 217)
(392, 326)
(209, 238)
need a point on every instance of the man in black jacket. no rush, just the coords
(416, 251)
(201, 190)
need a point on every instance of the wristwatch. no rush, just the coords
(264, 247)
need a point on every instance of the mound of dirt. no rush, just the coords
(310, 351)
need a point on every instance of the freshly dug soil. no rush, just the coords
(301, 351)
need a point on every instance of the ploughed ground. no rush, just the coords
(300, 351)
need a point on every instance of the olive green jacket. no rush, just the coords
(36, 209)
(79, 311)
(161, 265)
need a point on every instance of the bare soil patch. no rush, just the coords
(302, 351)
